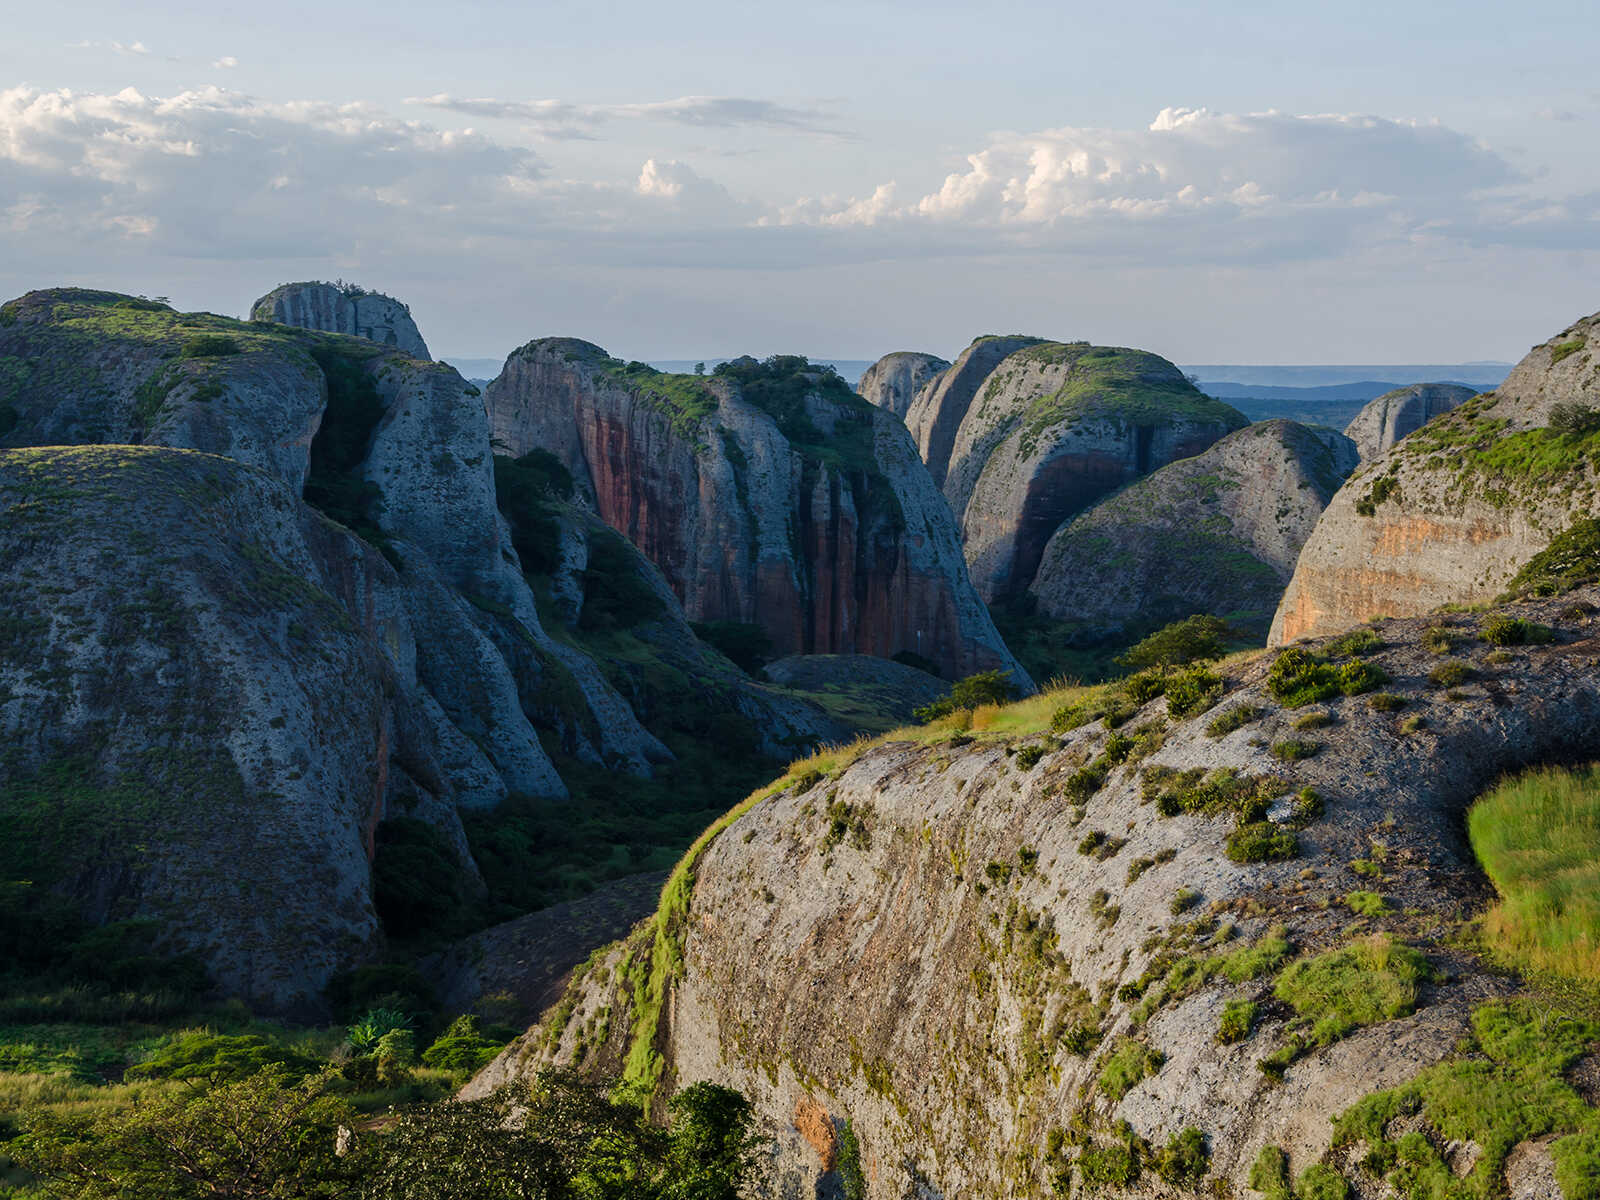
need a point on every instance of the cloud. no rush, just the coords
(226, 62)
(559, 119)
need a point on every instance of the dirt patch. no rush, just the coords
(816, 1126)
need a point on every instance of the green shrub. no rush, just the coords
(1412, 724)
(461, 1048)
(1193, 691)
(1572, 559)
(1385, 702)
(1293, 749)
(1561, 415)
(1356, 642)
(216, 1058)
(1028, 756)
(1320, 1182)
(1183, 900)
(1233, 718)
(1358, 677)
(1193, 639)
(1262, 841)
(1238, 1019)
(1450, 673)
(1113, 1165)
(1311, 720)
(1131, 1061)
(1373, 979)
(209, 345)
(1308, 806)
(616, 587)
(1185, 1159)
(1100, 846)
(1438, 640)
(975, 691)
(1366, 904)
(852, 1180)
(374, 1025)
(1145, 686)
(1269, 1174)
(1501, 630)
(1297, 678)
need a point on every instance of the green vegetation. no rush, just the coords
(1129, 1062)
(1193, 639)
(1564, 350)
(852, 1180)
(334, 485)
(1572, 559)
(1386, 702)
(1294, 749)
(1506, 1087)
(209, 345)
(1236, 717)
(748, 646)
(1238, 1020)
(1501, 630)
(419, 886)
(1185, 1159)
(1192, 692)
(1383, 489)
(1366, 904)
(1450, 673)
(975, 691)
(1298, 677)
(1262, 841)
(1370, 980)
(526, 490)
(1269, 1175)
(1538, 838)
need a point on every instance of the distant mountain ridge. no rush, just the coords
(1483, 374)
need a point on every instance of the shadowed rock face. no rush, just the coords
(893, 382)
(1054, 427)
(333, 309)
(813, 520)
(1405, 410)
(1217, 533)
(961, 921)
(1447, 515)
(936, 412)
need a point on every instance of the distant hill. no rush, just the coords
(1475, 374)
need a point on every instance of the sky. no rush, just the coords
(1229, 182)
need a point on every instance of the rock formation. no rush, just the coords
(294, 678)
(1393, 415)
(936, 412)
(1008, 964)
(1054, 427)
(893, 381)
(1448, 514)
(1217, 533)
(767, 494)
(343, 308)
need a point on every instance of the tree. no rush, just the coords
(986, 687)
(1193, 639)
(699, 368)
(266, 1137)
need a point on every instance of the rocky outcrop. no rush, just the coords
(768, 494)
(1003, 962)
(876, 694)
(893, 381)
(936, 412)
(343, 308)
(1393, 415)
(1056, 426)
(1447, 515)
(1217, 533)
(329, 630)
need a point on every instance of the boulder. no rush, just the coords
(1448, 514)
(937, 411)
(1217, 533)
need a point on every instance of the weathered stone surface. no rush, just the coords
(893, 381)
(1217, 533)
(1055, 427)
(937, 411)
(839, 544)
(332, 308)
(916, 974)
(225, 675)
(1403, 411)
(1447, 515)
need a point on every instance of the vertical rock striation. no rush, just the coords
(343, 308)
(1403, 411)
(893, 382)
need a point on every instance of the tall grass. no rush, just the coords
(1538, 838)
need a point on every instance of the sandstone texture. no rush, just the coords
(1403, 411)
(343, 308)
(768, 494)
(1447, 515)
(985, 960)
(893, 381)
(1217, 533)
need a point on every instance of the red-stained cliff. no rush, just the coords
(768, 494)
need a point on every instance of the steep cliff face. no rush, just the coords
(1134, 958)
(893, 382)
(336, 308)
(205, 725)
(1217, 533)
(1451, 512)
(1403, 411)
(1054, 427)
(768, 495)
(937, 411)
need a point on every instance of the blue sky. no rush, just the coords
(1232, 182)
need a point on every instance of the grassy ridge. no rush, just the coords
(1538, 838)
